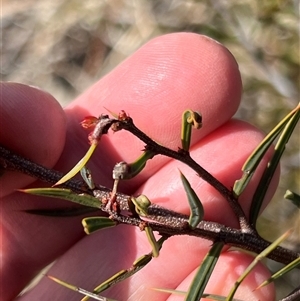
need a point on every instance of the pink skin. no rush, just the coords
(155, 85)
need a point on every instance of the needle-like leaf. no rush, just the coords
(197, 211)
(189, 119)
(79, 290)
(115, 115)
(267, 176)
(204, 272)
(62, 212)
(294, 197)
(182, 293)
(78, 166)
(254, 159)
(138, 264)
(141, 204)
(93, 224)
(66, 194)
(152, 241)
(87, 177)
(137, 166)
(256, 260)
(281, 272)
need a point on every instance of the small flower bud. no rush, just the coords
(120, 170)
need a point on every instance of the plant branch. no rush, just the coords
(162, 220)
(184, 156)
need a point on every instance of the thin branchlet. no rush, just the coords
(184, 156)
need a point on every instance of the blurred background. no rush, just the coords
(64, 46)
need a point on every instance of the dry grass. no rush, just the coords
(64, 46)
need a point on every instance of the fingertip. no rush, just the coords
(168, 75)
(32, 125)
